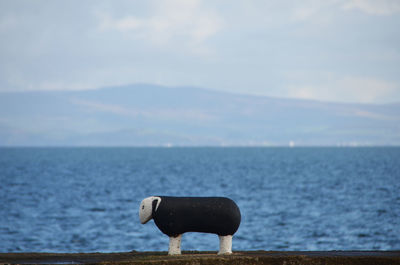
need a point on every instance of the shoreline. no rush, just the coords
(208, 257)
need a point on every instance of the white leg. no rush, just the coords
(174, 245)
(225, 245)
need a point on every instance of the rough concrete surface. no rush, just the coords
(205, 257)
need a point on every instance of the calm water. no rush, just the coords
(87, 199)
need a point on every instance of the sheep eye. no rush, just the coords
(142, 207)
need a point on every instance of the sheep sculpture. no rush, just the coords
(177, 215)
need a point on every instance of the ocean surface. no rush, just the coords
(87, 199)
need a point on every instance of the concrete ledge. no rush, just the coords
(208, 257)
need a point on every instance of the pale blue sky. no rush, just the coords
(347, 51)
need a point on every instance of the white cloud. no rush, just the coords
(173, 20)
(373, 7)
(237, 46)
(345, 89)
(304, 12)
(311, 10)
(308, 9)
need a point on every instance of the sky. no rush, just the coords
(330, 50)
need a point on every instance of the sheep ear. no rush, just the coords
(156, 202)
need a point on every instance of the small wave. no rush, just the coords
(96, 209)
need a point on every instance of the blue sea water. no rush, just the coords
(87, 199)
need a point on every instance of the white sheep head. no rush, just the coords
(146, 208)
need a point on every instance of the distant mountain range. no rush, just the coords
(150, 115)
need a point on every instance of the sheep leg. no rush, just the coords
(174, 245)
(225, 245)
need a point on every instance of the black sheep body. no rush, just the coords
(178, 215)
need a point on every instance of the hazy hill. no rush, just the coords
(147, 115)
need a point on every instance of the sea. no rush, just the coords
(87, 199)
